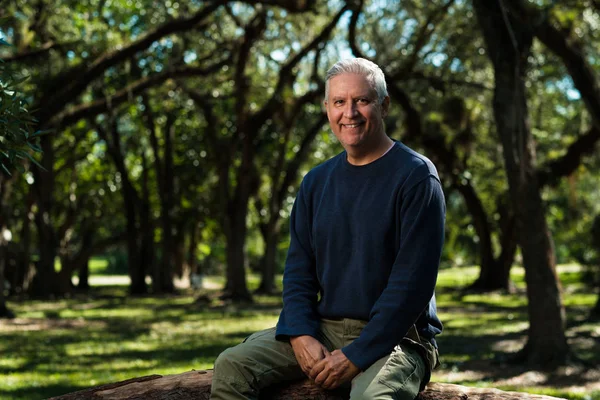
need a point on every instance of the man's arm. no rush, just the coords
(299, 320)
(412, 280)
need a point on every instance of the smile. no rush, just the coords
(350, 125)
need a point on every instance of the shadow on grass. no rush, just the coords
(39, 392)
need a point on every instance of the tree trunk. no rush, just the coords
(146, 232)
(508, 47)
(23, 272)
(236, 287)
(491, 276)
(595, 312)
(196, 385)
(179, 265)
(162, 277)
(136, 273)
(4, 311)
(83, 273)
(508, 244)
(595, 236)
(130, 202)
(269, 259)
(44, 281)
(192, 260)
(64, 285)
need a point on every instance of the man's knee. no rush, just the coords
(230, 362)
(395, 378)
(231, 377)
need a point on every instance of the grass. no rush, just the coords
(61, 346)
(98, 266)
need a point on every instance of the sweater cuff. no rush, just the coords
(356, 356)
(284, 333)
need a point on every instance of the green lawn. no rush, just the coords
(98, 266)
(55, 347)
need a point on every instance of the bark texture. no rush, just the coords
(196, 385)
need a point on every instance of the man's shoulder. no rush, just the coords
(323, 169)
(414, 161)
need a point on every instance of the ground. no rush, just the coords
(55, 347)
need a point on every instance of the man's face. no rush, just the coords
(353, 110)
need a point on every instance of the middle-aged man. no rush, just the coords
(367, 230)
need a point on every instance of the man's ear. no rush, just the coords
(385, 106)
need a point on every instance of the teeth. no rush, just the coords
(351, 126)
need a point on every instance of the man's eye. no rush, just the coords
(363, 101)
(338, 102)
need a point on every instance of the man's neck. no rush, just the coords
(361, 156)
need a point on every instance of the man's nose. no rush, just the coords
(350, 110)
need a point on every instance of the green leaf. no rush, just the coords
(5, 169)
(34, 147)
(35, 162)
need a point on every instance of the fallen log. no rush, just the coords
(196, 385)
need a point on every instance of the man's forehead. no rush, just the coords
(349, 83)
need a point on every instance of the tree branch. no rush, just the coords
(152, 128)
(571, 55)
(93, 108)
(413, 117)
(253, 31)
(423, 35)
(52, 103)
(297, 6)
(550, 173)
(291, 172)
(286, 73)
(33, 54)
(440, 84)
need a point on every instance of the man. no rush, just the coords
(367, 230)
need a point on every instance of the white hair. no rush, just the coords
(363, 67)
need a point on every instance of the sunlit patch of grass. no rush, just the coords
(98, 265)
(457, 277)
(550, 392)
(587, 300)
(467, 324)
(496, 299)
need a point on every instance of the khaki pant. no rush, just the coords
(260, 361)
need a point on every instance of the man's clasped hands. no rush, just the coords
(327, 369)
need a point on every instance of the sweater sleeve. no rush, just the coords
(300, 284)
(413, 276)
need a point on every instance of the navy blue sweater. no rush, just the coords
(366, 244)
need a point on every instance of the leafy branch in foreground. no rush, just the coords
(17, 136)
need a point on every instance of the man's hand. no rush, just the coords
(308, 351)
(333, 370)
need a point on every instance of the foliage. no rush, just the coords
(18, 137)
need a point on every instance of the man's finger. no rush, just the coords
(331, 382)
(322, 377)
(317, 369)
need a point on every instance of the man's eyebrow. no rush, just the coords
(358, 96)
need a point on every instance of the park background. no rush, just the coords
(151, 152)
